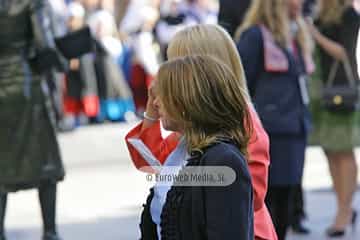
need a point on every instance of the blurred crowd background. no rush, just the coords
(128, 43)
(131, 36)
(131, 39)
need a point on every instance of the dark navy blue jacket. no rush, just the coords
(276, 95)
(207, 212)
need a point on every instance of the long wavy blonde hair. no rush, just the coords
(202, 94)
(213, 40)
(274, 15)
(331, 11)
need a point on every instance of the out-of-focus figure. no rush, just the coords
(133, 18)
(200, 11)
(114, 93)
(336, 32)
(80, 92)
(138, 24)
(276, 52)
(172, 19)
(231, 14)
(91, 6)
(29, 151)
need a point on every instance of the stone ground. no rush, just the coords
(102, 194)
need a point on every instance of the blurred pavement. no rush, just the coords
(102, 194)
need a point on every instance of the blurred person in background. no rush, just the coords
(200, 11)
(298, 214)
(73, 83)
(29, 151)
(231, 14)
(133, 17)
(103, 26)
(336, 32)
(108, 5)
(59, 15)
(113, 90)
(80, 98)
(172, 19)
(139, 24)
(91, 6)
(120, 9)
(276, 49)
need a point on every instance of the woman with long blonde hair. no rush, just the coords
(206, 104)
(275, 48)
(214, 41)
(336, 34)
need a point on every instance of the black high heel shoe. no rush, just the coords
(333, 233)
(299, 228)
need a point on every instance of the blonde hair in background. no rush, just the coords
(274, 15)
(331, 11)
(213, 40)
(203, 95)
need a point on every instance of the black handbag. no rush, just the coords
(341, 98)
(75, 44)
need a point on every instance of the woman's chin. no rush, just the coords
(168, 126)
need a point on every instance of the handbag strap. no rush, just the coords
(348, 71)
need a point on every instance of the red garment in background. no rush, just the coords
(139, 83)
(71, 106)
(88, 104)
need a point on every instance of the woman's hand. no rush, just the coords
(151, 109)
(152, 113)
(332, 48)
(74, 64)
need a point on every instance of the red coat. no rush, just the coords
(258, 165)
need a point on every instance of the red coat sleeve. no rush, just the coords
(259, 160)
(152, 139)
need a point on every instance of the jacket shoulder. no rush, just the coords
(224, 154)
(252, 32)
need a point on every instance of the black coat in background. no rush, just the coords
(29, 151)
(232, 13)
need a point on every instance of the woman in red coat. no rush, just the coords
(147, 147)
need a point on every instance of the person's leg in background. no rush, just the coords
(3, 200)
(298, 211)
(278, 200)
(47, 197)
(343, 170)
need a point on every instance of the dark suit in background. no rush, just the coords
(232, 13)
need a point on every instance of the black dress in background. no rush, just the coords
(29, 150)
